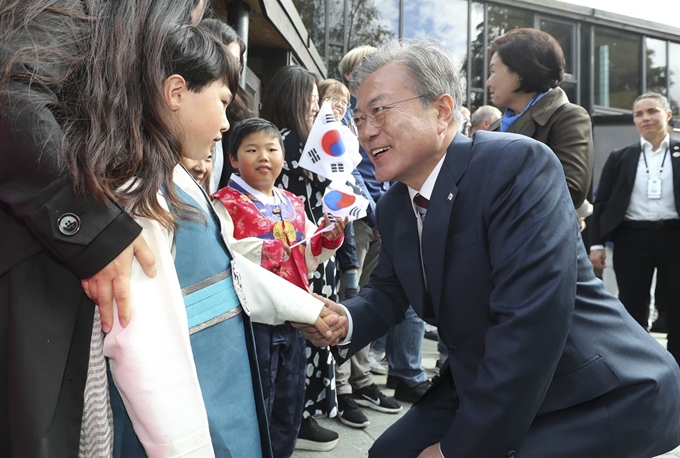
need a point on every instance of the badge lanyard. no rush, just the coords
(654, 184)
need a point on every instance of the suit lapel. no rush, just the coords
(631, 165)
(436, 225)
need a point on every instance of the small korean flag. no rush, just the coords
(332, 150)
(341, 200)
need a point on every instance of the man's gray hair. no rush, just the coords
(655, 95)
(485, 113)
(431, 66)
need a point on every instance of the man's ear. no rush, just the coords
(174, 89)
(445, 109)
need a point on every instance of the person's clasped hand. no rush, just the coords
(333, 318)
(113, 282)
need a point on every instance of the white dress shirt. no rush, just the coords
(641, 208)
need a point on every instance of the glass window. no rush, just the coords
(617, 68)
(674, 77)
(369, 23)
(655, 65)
(564, 34)
(478, 51)
(446, 21)
(503, 18)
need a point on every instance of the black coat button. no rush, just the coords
(69, 224)
(511, 454)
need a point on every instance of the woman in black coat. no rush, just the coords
(67, 91)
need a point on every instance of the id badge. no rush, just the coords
(654, 188)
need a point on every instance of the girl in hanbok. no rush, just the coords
(185, 370)
(269, 226)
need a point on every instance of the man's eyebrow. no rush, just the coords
(371, 102)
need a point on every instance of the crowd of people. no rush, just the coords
(170, 284)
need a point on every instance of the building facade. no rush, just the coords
(610, 58)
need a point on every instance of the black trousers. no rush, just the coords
(637, 252)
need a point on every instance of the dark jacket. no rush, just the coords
(616, 186)
(567, 130)
(538, 349)
(49, 240)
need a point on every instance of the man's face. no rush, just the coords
(407, 146)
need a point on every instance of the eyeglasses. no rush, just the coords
(377, 119)
(333, 100)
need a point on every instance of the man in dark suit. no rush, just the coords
(542, 360)
(637, 206)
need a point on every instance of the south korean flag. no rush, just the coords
(332, 150)
(344, 199)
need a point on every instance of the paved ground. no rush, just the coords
(354, 443)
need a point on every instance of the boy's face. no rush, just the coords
(202, 117)
(259, 160)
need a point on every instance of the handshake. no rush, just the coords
(330, 326)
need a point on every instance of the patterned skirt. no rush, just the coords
(320, 395)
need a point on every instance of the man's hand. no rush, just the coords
(329, 328)
(113, 282)
(431, 452)
(598, 257)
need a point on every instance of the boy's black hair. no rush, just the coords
(250, 126)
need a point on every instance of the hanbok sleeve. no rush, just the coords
(152, 362)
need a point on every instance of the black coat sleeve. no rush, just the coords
(38, 195)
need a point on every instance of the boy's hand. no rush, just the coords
(329, 328)
(337, 229)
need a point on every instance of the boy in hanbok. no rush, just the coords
(268, 225)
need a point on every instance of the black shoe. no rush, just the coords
(313, 437)
(371, 396)
(349, 412)
(391, 382)
(432, 335)
(411, 394)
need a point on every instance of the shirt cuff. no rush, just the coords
(596, 247)
(440, 450)
(350, 327)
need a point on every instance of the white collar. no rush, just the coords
(428, 186)
(665, 143)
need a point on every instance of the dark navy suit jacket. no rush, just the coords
(531, 332)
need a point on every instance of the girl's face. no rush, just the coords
(200, 169)
(259, 160)
(338, 102)
(313, 106)
(202, 118)
(502, 82)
